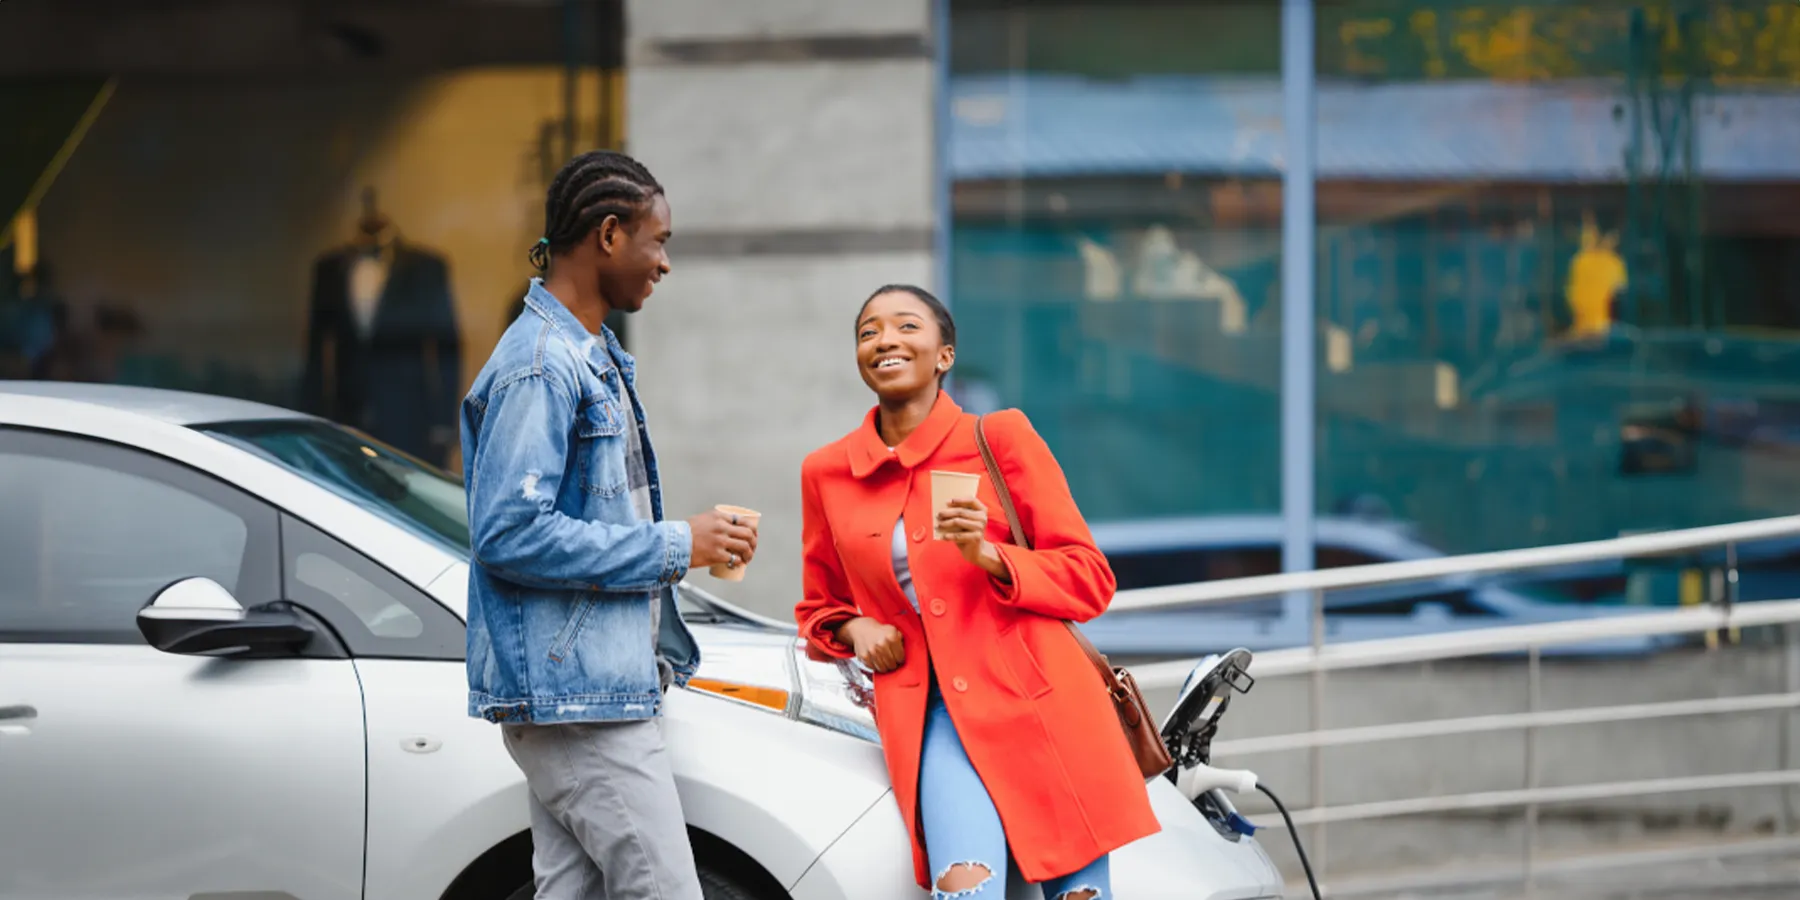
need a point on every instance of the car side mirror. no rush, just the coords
(199, 617)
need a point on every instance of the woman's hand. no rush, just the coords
(878, 645)
(965, 525)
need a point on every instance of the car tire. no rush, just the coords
(713, 886)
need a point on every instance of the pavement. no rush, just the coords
(1753, 878)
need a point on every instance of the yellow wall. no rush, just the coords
(202, 204)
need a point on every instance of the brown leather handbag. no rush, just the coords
(1134, 715)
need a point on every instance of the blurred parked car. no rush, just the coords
(1160, 552)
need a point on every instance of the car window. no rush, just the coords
(1186, 565)
(90, 532)
(406, 491)
(1157, 568)
(1332, 557)
(375, 609)
(377, 614)
(1456, 603)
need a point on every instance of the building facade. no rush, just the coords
(1553, 282)
(1526, 273)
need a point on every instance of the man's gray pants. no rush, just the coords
(606, 822)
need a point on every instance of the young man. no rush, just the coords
(573, 632)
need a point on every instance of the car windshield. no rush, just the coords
(405, 490)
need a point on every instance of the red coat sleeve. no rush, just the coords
(825, 602)
(1065, 575)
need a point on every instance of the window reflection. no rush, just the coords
(1116, 243)
(1547, 232)
(1558, 277)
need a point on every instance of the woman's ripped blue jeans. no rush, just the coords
(965, 844)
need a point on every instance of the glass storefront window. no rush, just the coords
(1116, 243)
(333, 219)
(1558, 270)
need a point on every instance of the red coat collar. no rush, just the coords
(868, 451)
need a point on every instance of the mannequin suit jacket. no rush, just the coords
(402, 381)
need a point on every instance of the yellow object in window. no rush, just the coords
(1596, 276)
(24, 239)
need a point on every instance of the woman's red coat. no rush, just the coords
(1029, 705)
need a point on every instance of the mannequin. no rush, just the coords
(383, 351)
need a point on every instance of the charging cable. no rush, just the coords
(1202, 778)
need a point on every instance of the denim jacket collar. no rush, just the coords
(540, 301)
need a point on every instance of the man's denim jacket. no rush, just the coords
(564, 573)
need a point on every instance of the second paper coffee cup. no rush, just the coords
(748, 517)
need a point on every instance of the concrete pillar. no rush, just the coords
(796, 140)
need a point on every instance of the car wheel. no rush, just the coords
(713, 886)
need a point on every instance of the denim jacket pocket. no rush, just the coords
(571, 630)
(600, 416)
(599, 430)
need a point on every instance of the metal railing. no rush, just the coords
(1720, 616)
(1319, 658)
(1654, 544)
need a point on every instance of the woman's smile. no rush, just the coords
(890, 363)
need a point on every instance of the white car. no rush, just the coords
(231, 665)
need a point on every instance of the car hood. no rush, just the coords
(735, 631)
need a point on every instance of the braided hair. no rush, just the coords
(589, 188)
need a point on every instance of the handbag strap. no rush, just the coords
(1018, 531)
(999, 480)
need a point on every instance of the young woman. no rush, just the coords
(998, 733)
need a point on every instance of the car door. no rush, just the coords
(129, 772)
(442, 789)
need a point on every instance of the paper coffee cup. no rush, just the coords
(948, 486)
(748, 517)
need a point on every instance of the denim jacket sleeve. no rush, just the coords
(517, 532)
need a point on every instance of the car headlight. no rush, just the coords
(837, 695)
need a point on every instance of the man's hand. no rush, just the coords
(718, 541)
(879, 646)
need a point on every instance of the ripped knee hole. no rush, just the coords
(962, 878)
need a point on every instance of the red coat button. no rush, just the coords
(938, 607)
(960, 684)
(918, 535)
